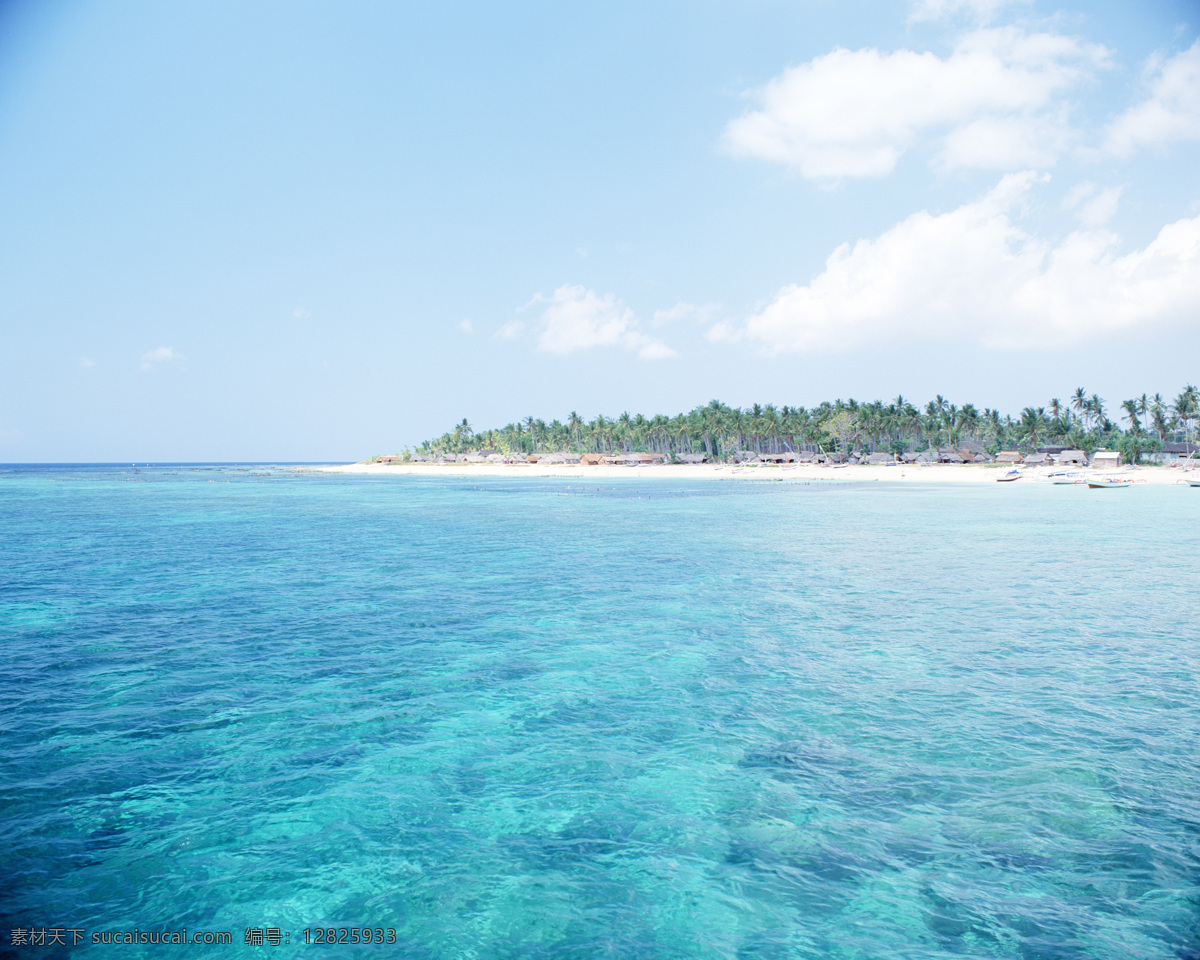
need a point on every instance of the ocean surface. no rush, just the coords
(519, 718)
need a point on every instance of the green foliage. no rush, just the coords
(720, 431)
(1132, 445)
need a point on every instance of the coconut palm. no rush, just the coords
(1131, 414)
(1186, 409)
(1079, 403)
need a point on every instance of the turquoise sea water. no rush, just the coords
(635, 719)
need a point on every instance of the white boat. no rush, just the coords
(1108, 482)
(1011, 475)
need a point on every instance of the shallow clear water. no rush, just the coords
(633, 719)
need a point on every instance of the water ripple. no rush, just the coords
(645, 720)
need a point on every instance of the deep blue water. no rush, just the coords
(631, 719)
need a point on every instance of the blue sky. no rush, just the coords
(323, 231)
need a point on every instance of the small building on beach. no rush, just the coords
(1009, 456)
(1071, 458)
(1173, 451)
(1106, 459)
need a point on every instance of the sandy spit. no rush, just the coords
(930, 473)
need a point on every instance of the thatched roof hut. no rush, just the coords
(591, 459)
(693, 458)
(880, 458)
(1071, 458)
(1009, 456)
(1037, 460)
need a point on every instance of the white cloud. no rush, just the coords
(973, 275)
(1092, 206)
(466, 326)
(159, 355)
(982, 11)
(698, 312)
(86, 362)
(853, 113)
(576, 318)
(1172, 110)
(514, 328)
(723, 331)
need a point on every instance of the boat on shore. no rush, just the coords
(1010, 476)
(1107, 483)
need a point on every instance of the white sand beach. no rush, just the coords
(906, 473)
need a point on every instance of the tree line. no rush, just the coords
(717, 430)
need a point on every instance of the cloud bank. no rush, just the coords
(995, 102)
(1170, 112)
(576, 318)
(981, 11)
(159, 355)
(974, 275)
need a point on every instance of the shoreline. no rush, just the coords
(906, 473)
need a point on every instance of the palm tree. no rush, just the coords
(1158, 415)
(1031, 424)
(1079, 402)
(1185, 409)
(719, 429)
(575, 425)
(1131, 414)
